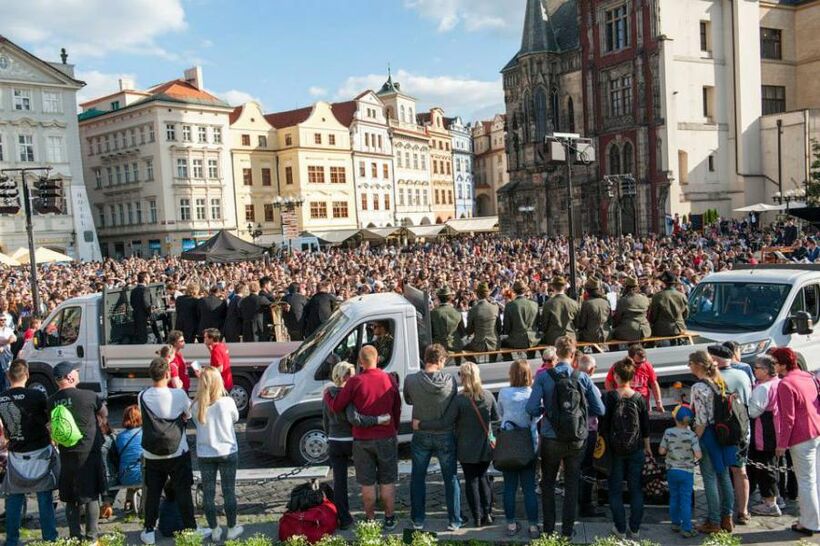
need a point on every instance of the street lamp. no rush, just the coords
(287, 205)
(254, 233)
(788, 196)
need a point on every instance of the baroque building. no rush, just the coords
(462, 138)
(441, 164)
(489, 163)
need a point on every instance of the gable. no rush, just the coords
(17, 65)
(322, 116)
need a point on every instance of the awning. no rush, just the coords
(8, 260)
(379, 234)
(42, 255)
(418, 232)
(473, 225)
(333, 237)
(757, 207)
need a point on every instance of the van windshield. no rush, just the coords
(735, 306)
(295, 361)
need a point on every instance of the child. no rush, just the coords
(33, 325)
(111, 461)
(682, 450)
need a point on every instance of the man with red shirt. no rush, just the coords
(178, 367)
(219, 356)
(644, 379)
(375, 449)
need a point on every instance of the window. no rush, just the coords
(620, 96)
(149, 169)
(217, 135)
(415, 160)
(316, 175)
(97, 177)
(386, 201)
(614, 160)
(247, 177)
(401, 196)
(362, 169)
(708, 102)
(115, 105)
(108, 143)
(151, 133)
(197, 167)
(450, 197)
(771, 45)
(132, 137)
(288, 175)
(375, 201)
(435, 167)
(423, 162)
(774, 99)
(182, 168)
(64, 328)
(202, 133)
(100, 216)
(401, 109)
(385, 171)
(113, 211)
(571, 115)
(250, 214)
(22, 99)
(184, 209)
(318, 210)
(627, 161)
(540, 99)
(616, 32)
(110, 171)
(436, 198)
(262, 140)
(268, 212)
(213, 170)
(340, 209)
(126, 173)
(288, 140)
(25, 148)
(398, 160)
(142, 135)
(364, 201)
(152, 212)
(337, 175)
(186, 133)
(54, 149)
(216, 209)
(52, 102)
(138, 211)
(135, 172)
(130, 213)
(331, 139)
(705, 36)
(426, 197)
(711, 163)
(200, 208)
(374, 170)
(170, 133)
(246, 140)
(449, 168)
(317, 138)
(266, 177)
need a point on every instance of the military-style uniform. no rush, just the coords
(448, 327)
(484, 324)
(558, 318)
(519, 323)
(592, 321)
(630, 319)
(384, 346)
(668, 312)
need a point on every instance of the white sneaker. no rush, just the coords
(616, 533)
(148, 537)
(204, 532)
(234, 532)
(216, 534)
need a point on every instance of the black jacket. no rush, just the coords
(141, 303)
(293, 317)
(212, 311)
(187, 319)
(317, 311)
(233, 321)
(254, 312)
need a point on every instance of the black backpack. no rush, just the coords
(625, 425)
(568, 414)
(730, 415)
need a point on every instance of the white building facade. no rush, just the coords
(38, 128)
(462, 167)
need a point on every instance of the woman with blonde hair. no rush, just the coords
(215, 414)
(473, 413)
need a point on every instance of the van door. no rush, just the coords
(63, 339)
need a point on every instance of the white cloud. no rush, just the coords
(456, 95)
(98, 84)
(473, 15)
(316, 91)
(235, 97)
(93, 28)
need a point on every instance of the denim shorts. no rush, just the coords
(376, 461)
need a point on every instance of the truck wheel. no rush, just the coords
(307, 443)
(241, 394)
(42, 383)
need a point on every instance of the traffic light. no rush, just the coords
(9, 196)
(49, 196)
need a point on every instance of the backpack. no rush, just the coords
(160, 436)
(568, 414)
(64, 429)
(730, 415)
(625, 425)
(313, 523)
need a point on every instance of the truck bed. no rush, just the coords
(257, 356)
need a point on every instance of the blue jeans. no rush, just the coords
(226, 466)
(527, 479)
(632, 464)
(720, 497)
(423, 446)
(681, 488)
(14, 516)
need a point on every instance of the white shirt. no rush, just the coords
(217, 436)
(167, 404)
(5, 334)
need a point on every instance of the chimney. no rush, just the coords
(126, 84)
(193, 76)
(64, 55)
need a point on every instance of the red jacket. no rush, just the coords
(372, 392)
(219, 357)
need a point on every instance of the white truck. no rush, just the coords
(94, 331)
(286, 405)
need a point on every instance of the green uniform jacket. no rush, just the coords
(448, 327)
(630, 319)
(592, 322)
(668, 312)
(519, 323)
(384, 346)
(484, 324)
(558, 318)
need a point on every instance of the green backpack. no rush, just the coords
(64, 429)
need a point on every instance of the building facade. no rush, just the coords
(462, 139)
(441, 164)
(411, 157)
(157, 167)
(38, 128)
(489, 163)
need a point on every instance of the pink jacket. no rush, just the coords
(797, 405)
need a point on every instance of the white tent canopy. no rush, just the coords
(378, 234)
(484, 224)
(333, 237)
(757, 207)
(8, 260)
(42, 255)
(418, 232)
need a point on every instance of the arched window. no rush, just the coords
(571, 115)
(614, 159)
(402, 113)
(527, 116)
(627, 161)
(540, 114)
(410, 115)
(556, 124)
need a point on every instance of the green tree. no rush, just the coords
(813, 183)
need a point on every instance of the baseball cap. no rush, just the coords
(683, 413)
(64, 368)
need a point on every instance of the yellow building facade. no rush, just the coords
(441, 165)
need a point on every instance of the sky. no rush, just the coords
(283, 53)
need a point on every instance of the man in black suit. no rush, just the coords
(141, 305)
(187, 313)
(212, 311)
(318, 309)
(294, 310)
(266, 291)
(790, 234)
(254, 310)
(233, 319)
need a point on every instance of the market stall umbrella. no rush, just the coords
(42, 255)
(224, 248)
(8, 260)
(757, 207)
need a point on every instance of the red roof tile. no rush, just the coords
(236, 113)
(344, 111)
(290, 118)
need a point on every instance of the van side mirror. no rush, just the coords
(800, 323)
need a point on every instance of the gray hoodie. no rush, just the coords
(430, 394)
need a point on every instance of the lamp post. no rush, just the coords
(788, 196)
(287, 205)
(255, 233)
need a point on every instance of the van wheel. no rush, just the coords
(42, 383)
(307, 443)
(241, 394)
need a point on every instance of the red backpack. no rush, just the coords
(313, 523)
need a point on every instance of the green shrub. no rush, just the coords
(551, 540)
(116, 538)
(187, 537)
(615, 541)
(297, 540)
(722, 539)
(420, 538)
(255, 540)
(332, 540)
(368, 533)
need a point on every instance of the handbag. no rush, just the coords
(513, 449)
(487, 431)
(32, 472)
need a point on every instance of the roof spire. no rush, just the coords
(538, 34)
